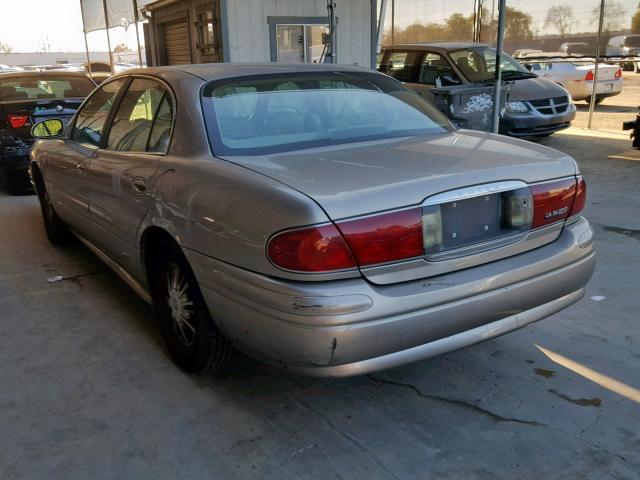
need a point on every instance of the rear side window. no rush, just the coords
(34, 88)
(93, 115)
(142, 122)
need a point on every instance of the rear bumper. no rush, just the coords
(581, 90)
(533, 123)
(352, 327)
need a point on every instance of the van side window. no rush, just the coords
(403, 66)
(433, 67)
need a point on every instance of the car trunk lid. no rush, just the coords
(21, 115)
(376, 179)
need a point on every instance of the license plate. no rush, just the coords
(469, 221)
(608, 87)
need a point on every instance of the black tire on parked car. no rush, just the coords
(194, 341)
(16, 184)
(599, 100)
(57, 231)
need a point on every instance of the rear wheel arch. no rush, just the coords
(153, 240)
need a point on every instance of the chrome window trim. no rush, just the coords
(473, 191)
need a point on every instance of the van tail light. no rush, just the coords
(385, 238)
(312, 249)
(618, 73)
(18, 121)
(581, 197)
(589, 76)
(552, 201)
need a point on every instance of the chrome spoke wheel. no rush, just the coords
(180, 305)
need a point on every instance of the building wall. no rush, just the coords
(248, 30)
(52, 58)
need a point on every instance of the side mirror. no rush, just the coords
(447, 80)
(528, 66)
(51, 128)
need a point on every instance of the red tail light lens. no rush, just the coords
(17, 121)
(581, 197)
(589, 75)
(552, 201)
(385, 238)
(618, 73)
(313, 249)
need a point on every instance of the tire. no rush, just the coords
(57, 231)
(598, 100)
(192, 338)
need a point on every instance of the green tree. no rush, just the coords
(460, 27)
(561, 18)
(517, 25)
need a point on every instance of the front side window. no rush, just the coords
(137, 112)
(478, 64)
(92, 117)
(300, 43)
(272, 113)
(33, 88)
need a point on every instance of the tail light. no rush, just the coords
(313, 249)
(18, 121)
(589, 76)
(618, 73)
(581, 197)
(552, 201)
(385, 238)
(416, 232)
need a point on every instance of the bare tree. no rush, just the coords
(561, 18)
(615, 17)
(5, 48)
(44, 45)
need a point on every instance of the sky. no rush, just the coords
(24, 24)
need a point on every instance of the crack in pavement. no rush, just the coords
(499, 418)
(461, 403)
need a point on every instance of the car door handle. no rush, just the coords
(81, 167)
(139, 185)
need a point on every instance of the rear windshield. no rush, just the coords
(277, 113)
(632, 41)
(32, 88)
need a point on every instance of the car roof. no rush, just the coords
(442, 46)
(217, 71)
(43, 74)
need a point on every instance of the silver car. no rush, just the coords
(324, 219)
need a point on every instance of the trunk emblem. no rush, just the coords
(59, 108)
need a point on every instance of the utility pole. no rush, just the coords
(502, 12)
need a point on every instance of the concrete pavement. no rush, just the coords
(87, 391)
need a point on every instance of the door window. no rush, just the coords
(145, 104)
(92, 117)
(403, 65)
(433, 67)
(300, 43)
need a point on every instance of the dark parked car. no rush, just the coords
(26, 98)
(323, 218)
(535, 106)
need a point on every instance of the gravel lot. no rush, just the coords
(87, 391)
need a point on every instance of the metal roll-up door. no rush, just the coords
(176, 36)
